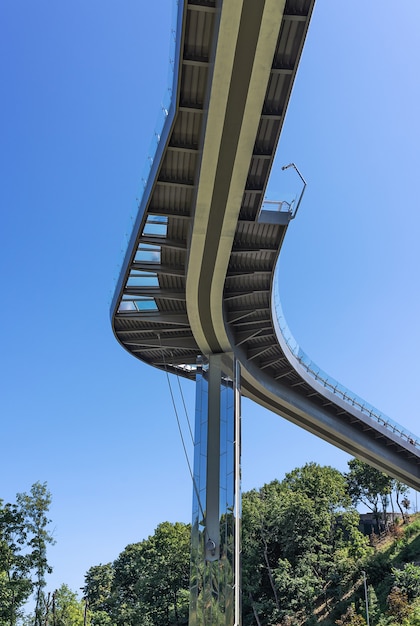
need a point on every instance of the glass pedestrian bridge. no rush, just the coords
(198, 276)
(197, 293)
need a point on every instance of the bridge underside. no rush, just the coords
(199, 271)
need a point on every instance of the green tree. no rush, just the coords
(147, 584)
(369, 486)
(98, 593)
(252, 565)
(294, 534)
(34, 509)
(324, 485)
(170, 554)
(66, 609)
(401, 492)
(15, 581)
(373, 604)
(62, 608)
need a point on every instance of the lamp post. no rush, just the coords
(366, 597)
(286, 167)
(86, 606)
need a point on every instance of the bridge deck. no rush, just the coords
(200, 266)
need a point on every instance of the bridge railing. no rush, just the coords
(167, 104)
(280, 206)
(327, 381)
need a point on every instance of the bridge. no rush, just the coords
(199, 275)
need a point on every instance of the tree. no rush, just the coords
(171, 545)
(66, 608)
(98, 591)
(406, 504)
(373, 604)
(324, 485)
(34, 508)
(369, 486)
(147, 584)
(299, 536)
(15, 581)
(252, 567)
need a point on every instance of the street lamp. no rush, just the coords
(286, 167)
(366, 597)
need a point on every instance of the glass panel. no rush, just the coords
(157, 219)
(146, 304)
(156, 225)
(126, 306)
(286, 339)
(129, 304)
(157, 230)
(277, 205)
(137, 279)
(148, 252)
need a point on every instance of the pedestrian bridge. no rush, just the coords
(199, 274)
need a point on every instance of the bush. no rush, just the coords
(408, 580)
(412, 529)
(378, 568)
(398, 605)
(351, 618)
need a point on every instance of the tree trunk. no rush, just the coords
(270, 574)
(392, 507)
(400, 507)
(254, 610)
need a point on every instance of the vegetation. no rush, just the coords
(304, 560)
(24, 538)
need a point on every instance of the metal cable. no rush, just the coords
(180, 430)
(185, 408)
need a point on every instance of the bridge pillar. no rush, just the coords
(215, 538)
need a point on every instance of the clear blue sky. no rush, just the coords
(82, 83)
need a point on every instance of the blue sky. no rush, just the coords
(82, 85)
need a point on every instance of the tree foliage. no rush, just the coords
(24, 537)
(149, 581)
(408, 580)
(370, 487)
(301, 550)
(34, 507)
(398, 605)
(351, 618)
(65, 608)
(15, 581)
(300, 538)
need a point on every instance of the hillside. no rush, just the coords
(392, 582)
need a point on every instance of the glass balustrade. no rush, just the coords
(158, 134)
(290, 344)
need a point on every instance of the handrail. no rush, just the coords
(286, 339)
(165, 116)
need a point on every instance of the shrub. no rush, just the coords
(408, 580)
(351, 618)
(412, 529)
(398, 605)
(378, 568)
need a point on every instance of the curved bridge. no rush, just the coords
(199, 270)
